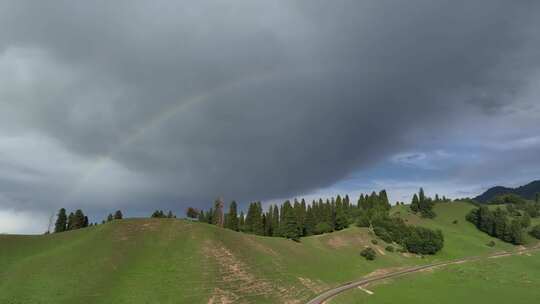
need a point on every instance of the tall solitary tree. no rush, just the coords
(218, 218)
(61, 221)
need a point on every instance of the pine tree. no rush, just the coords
(290, 226)
(257, 221)
(61, 221)
(242, 222)
(78, 219)
(70, 221)
(210, 216)
(265, 224)
(383, 200)
(248, 226)
(302, 217)
(268, 229)
(201, 216)
(300, 213)
(310, 221)
(118, 215)
(421, 196)
(362, 202)
(341, 220)
(275, 222)
(415, 204)
(233, 217)
(110, 217)
(85, 223)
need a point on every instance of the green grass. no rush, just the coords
(503, 280)
(462, 239)
(177, 261)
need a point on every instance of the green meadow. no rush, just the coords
(178, 261)
(514, 279)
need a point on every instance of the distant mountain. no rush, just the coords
(528, 191)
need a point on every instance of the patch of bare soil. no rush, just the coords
(380, 251)
(315, 286)
(239, 283)
(337, 242)
(260, 246)
(220, 296)
(383, 271)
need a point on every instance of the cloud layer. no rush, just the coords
(139, 104)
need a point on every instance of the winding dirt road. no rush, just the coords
(320, 299)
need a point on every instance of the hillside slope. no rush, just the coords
(511, 279)
(528, 191)
(176, 261)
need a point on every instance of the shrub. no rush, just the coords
(389, 248)
(321, 228)
(424, 241)
(362, 221)
(536, 231)
(491, 244)
(383, 234)
(374, 242)
(455, 222)
(368, 253)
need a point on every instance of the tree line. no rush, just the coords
(509, 223)
(77, 220)
(161, 214)
(292, 219)
(297, 219)
(424, 205)
(499, 224)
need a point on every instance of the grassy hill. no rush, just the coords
(177, 261)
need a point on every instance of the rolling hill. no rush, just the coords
(177, 261)
(528, 191)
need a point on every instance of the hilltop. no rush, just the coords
(528, 191)
(178, 261)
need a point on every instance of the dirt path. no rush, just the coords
(320, 299)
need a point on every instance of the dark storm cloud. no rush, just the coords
(251, 99)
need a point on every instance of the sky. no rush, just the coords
(144, 105)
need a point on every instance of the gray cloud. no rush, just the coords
(173, 103)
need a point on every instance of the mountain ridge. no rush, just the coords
(527, 191)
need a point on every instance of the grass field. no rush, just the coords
(513, 279)
(461, 239)
(177, 261)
